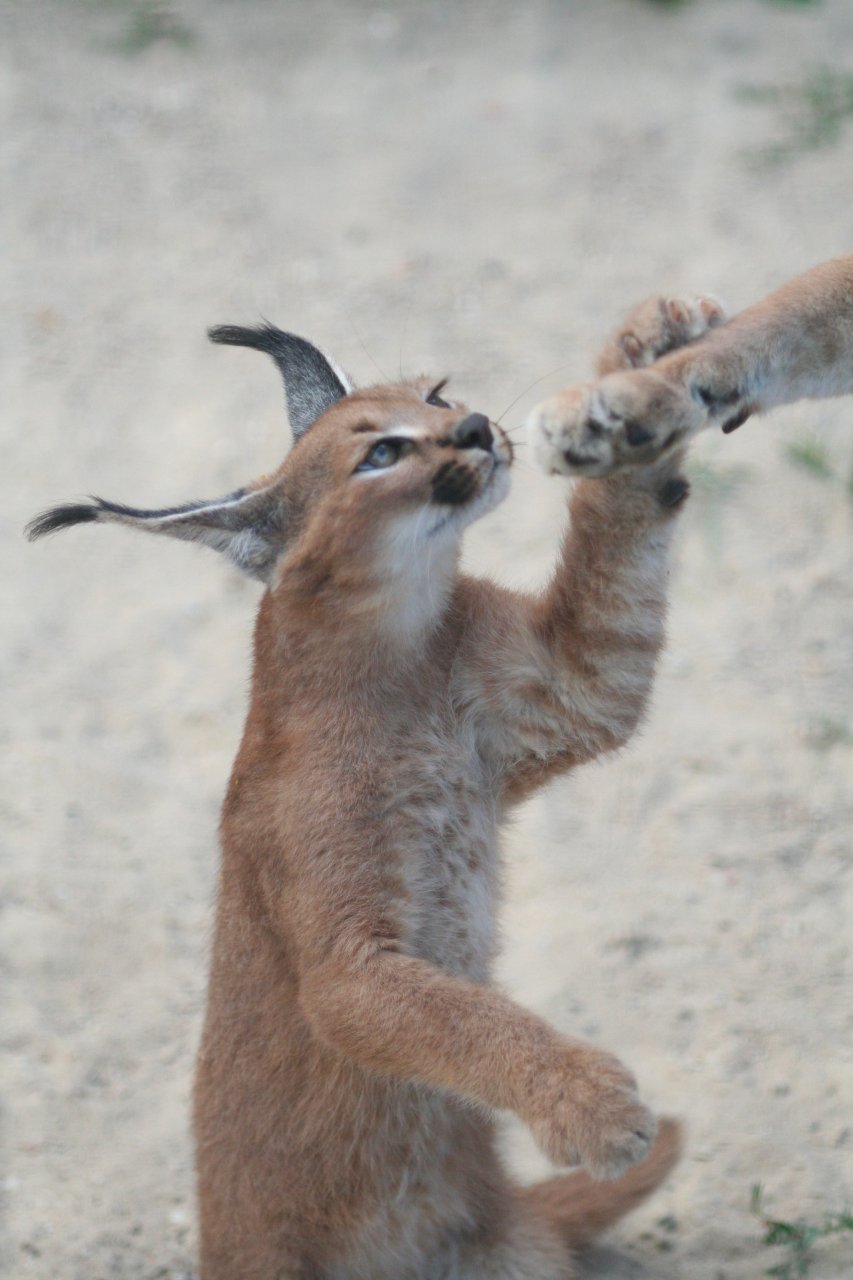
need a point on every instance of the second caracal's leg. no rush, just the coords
(583, 432)
(794, 344)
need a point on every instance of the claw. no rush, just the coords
(633, 348)
(677, 311)
(712, 310)
(732, 424)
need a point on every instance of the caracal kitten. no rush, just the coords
(355, 1048)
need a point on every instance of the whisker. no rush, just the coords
(527, 466)
(403, 333)
(534, 383)
(363, 346)
(508, 431)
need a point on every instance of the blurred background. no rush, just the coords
(479, 189)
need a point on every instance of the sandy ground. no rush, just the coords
(474, 189)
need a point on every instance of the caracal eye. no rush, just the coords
(384, 454)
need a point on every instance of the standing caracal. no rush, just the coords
(355, 1047)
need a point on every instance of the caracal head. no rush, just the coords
(369, 469)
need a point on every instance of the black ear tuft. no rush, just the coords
(312, 383)
(56, 518)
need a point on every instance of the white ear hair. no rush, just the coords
(312, 382)
(248, 526)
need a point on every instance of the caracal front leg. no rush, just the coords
(631, 417)
(567, 676)
(399, 1015)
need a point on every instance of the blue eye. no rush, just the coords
(384, 454)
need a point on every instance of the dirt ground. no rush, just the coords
(472, 188)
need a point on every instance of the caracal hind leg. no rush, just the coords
(592, 430)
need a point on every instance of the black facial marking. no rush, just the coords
(674, 491)
(671, 439)
(453, 484)
(594, 427)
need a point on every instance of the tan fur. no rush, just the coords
(794, 344)
(355, 1047)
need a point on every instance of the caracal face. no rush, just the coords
(399, 458)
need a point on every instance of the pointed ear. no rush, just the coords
(312, 383)
(248, 526)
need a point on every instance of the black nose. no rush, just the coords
(473, 432)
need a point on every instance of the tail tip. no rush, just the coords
(668, 1146)
(580, 1208)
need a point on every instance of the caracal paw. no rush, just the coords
(592, 1116)
(657, 326)
(625, 420)
(632, 416)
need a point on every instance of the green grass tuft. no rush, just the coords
(715, 483)
(798, 1237)
(813, 113)
(152, 22)
(825, 733)
(712, 486)
(811, 457)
